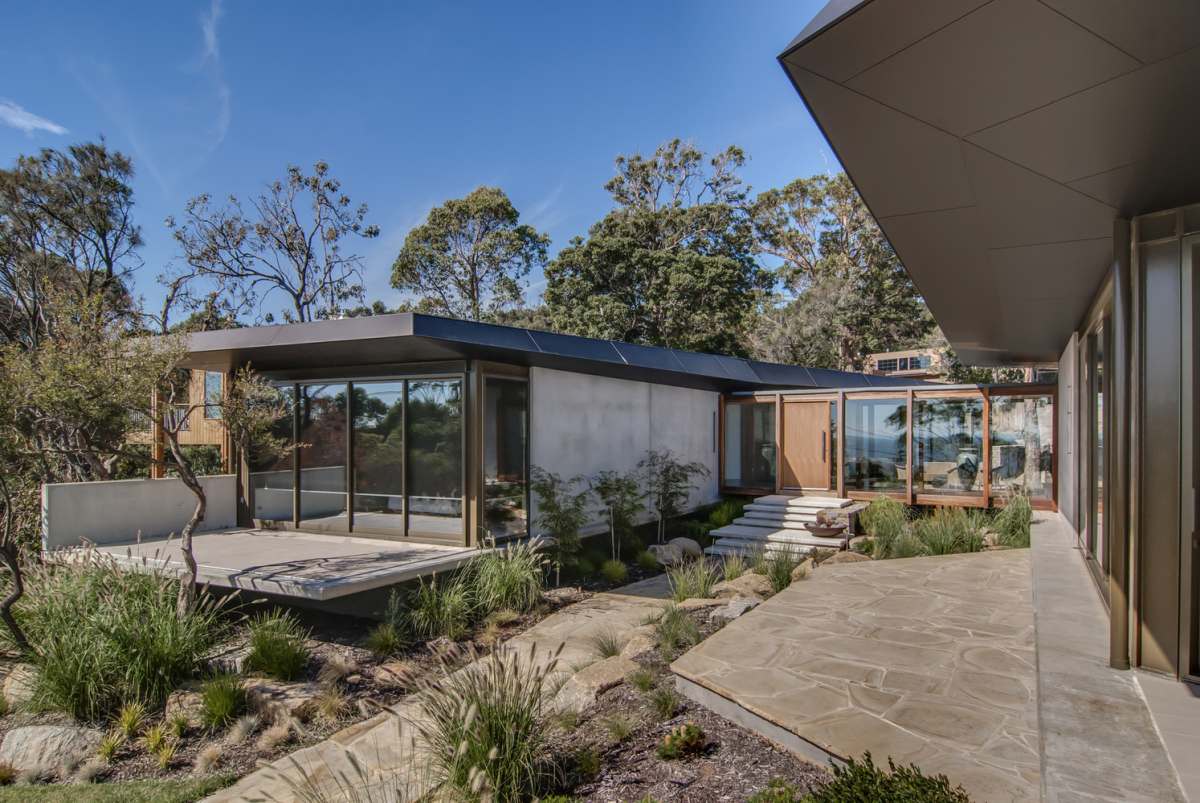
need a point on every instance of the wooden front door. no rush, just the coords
(805, 456)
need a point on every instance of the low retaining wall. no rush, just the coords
(122, 510)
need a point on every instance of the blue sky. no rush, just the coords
(410, 103)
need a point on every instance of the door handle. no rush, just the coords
(822, 447)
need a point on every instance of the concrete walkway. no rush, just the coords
(383, 747)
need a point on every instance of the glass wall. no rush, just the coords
(876, 457)
(272, 479)
(435, 455)
(505, 447)
(1022, 445)
(948, 446)
(323, 456)
(749, 460)
(379, 457)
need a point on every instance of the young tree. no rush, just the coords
(672, 265)
(621, 495)
(668, 483)
(468, 258)
(288, 240)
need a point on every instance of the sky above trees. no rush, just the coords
(411, 104)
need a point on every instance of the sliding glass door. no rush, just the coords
(378, 438)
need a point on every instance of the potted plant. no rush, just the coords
(827, 524)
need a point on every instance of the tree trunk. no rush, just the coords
(1033, 448)
(9, 554)
(187, 584)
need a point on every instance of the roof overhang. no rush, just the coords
(403, 338)
(997, 142)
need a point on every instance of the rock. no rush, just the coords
(19, 684)
(564, 595)
(230, 661)
(396, 673)
(582, 688)
(687, 546)
(666, 554)
(270, 697)
(695, 603)
(43, 746)
(642, 640)
(749, 584)
(733, 609)
(185, 702)
(847, 556)
(803, 571)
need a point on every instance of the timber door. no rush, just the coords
(805, 452)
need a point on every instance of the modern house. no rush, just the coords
(923, 364)
(1034, 165)
(199, 420)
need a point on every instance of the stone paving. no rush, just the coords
(927, 660)
(383, 746)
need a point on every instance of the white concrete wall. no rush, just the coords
(118, 511)
(1068, 434)
(582, 424)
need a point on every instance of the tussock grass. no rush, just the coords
(692, 578)
(647, 561)
(512, 577)
(777, 566)
(278, 646)
(440, 608)
(614, 571)
(949, 530)
(675, 631)
(734, 566)
(665, 701)
(605, 644)
(885, 520)
(222, 700)
(1012, 524)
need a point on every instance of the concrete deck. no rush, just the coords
(294, 564)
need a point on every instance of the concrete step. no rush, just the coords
(759, 519)
(747, 549)
(764, 535)
(802, 502)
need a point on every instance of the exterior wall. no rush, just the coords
(1068, 435)
(124, 510)
(582, 424)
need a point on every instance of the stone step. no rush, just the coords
(746, 549)
(764, 535)
(802, 502)
(792, 522)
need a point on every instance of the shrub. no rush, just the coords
(906, 545)
(102, 637)
(777, 791)
(583, 567)
(440, 609)
(131, 719)
(277, 646)
(733, 566)
(332, 703)
(647, 561)
(605, 644)
(692, 578)
(586, 763)
(675, 630)
(665, 701)
(683, 740)
(668, 484)
(491, 717)
(885, 520)
(1013, 522)
(618, 727)
(154, 737)
(642, 680)
(724, 513)
(614, 571)
(166, 753)
(511, 577)
(561, 511)
(384, 640)
(109, 745)
(621, 496)
(178, 725)
(862, 780)
(222, 700)
(778, 565)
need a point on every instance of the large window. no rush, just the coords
(272, 480)
(1022, 447)
(948, 446)
(323, 456)
(379, 457)
(750, 445)
(505, 445)
(435, 454)
(876, 457)
(213, 381)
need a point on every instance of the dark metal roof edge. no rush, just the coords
(809, 33)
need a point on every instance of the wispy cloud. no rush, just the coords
(546, 213)
(211, 57)
(16, 117)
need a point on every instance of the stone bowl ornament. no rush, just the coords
(827, 525)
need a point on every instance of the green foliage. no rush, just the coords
(777, 566)
(621, 496)
(102, 637)
(777, 791)
(665, 702)
(675, 631)
(385, 640)
(277, 646)
(586, 762)
(605, 644)
(885, 519)
(222, 700)
(683, 740)
(1013, 522)
(508, 578)
(907, 545)
(155, 736)
(692, 578)
(562, 512)
(733, 566)
(615, 572)
(584, 567)
(109, 745)
(646, 560)
(726, 512)
(668, 484)
(672, 264)
(185, 790)
(949, 530)
(642, 680)
(491, 718)
(440, 608)
(468, 258)
(618, 727)
(131, 719)
(862, 780)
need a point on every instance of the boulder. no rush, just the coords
(697, 603)
(19, 684)
(666, 554)
(230, 660)
(272, 697)
(564, 595)
(689, 547)
(642, 640)
(44, 746)
(749, 584)
(396, 673)
(733, 609)
(803, 571)
(582, 688)
(846, 556)
(185, 702)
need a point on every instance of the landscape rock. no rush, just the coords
(42, 746)
(803, 571)
(641, 641)
(185, 702)
(695, 603)
(847, 556)
(564, 595)
(230, 660)
(688, 546)
(749, 584)
(733, 609)
(666, 554)
(582, 688)
(395, 673)
(271, 697)
(18, 685)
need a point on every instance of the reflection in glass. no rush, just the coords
(435, 474)
(323, 456)
(271, 476)
(875, 451)
(1022, 447)
(1098, 449)
(948, 446)
(379, 457)
(750, 445)
(504, 449)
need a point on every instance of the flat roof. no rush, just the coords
(997, 141)
(410, 337)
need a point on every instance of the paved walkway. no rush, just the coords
(382, 746)
(926, 660)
